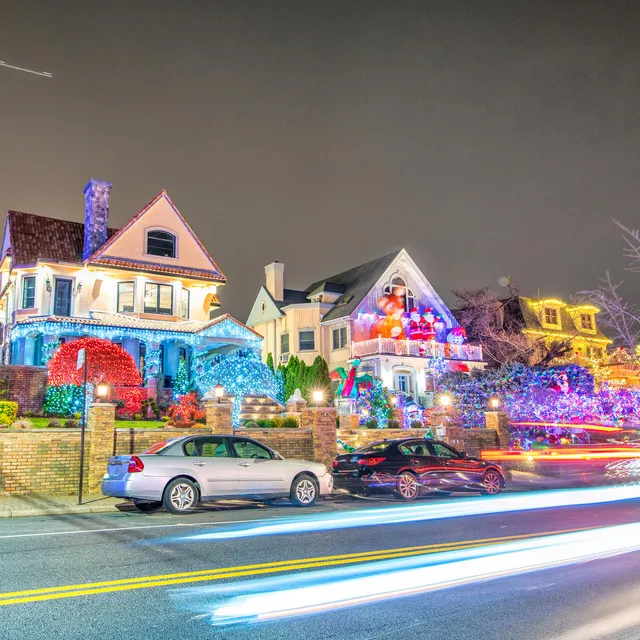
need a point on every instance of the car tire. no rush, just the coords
(492, 483)
(304, 491)
(407, 487)
(180, 496)
(147, 506)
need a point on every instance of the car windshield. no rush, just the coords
(375, 447)
(156, 448)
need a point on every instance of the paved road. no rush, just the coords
(149, 578)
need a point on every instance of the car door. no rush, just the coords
(212, 462)
(456, 469)
(259, 472)
(417, 456)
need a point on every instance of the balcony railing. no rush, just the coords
(391, 347)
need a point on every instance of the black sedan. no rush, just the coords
(405, 467)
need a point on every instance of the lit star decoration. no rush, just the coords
(241, 374)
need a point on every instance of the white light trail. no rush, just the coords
(440, 571)
(455, 508)
(44, 74)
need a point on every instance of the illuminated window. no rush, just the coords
(126, 297)
(161, 243)
(398, 287)
(551, 315)
(184, 303)
(158, 298)
(586, 321)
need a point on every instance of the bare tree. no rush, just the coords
(490, 321)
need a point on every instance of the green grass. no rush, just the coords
(42, 423)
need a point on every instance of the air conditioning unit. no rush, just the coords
(284, 358)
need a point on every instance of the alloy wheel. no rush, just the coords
(492, 483)
(305, 491)
(407, 486)
(182, 496)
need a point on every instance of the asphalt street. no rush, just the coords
(130, 575)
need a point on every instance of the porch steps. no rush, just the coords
(260, 408)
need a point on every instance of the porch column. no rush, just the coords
(152, 367)
(29, 350)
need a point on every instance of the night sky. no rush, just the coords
(487, 138)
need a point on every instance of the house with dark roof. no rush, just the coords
(151, 286)
(336, 317)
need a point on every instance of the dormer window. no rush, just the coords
(399, 287)
(586, 321)
(161, 243)
(551, 315)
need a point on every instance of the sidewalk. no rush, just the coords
(52, 505)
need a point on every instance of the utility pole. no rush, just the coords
(44, 74)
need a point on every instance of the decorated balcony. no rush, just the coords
(416, 348)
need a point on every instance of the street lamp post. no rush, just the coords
(318, 397)
(102, 389)
(218, 391)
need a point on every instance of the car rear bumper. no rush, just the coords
(133, 486)
(374, 482)
(325, 483)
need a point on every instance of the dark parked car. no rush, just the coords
(408, 466)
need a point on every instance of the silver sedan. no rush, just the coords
(181, 472)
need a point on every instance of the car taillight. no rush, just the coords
(370, 462)
(335, 464)
(135, 465)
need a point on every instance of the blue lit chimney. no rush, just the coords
(96, 216)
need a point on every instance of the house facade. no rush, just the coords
(551, 319)
(150, 286)
(364, 316)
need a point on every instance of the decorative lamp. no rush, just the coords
(494, 402)
(318, 396)
(445, 400)
(102, 389)
(218, 391)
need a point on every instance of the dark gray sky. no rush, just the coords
(487, 138)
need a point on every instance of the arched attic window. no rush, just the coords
(399, 286)
(161, 243)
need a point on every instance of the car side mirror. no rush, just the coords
(463, 454)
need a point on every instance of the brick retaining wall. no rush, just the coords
(25, 385)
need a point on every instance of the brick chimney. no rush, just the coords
(275, 280)
(96, 215)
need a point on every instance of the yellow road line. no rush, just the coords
(146, 582)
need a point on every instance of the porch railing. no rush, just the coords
(389, 346)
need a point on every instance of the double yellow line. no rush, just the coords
(168, 579)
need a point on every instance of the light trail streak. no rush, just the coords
(569, 425)
(322, 592)
(455, 508)
(44, 74)
(563, 453)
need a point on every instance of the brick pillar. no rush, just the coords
(498, 420)
(398, 414)
(218, 415)
(101, 418)
(322, 422)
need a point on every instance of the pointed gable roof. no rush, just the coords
(205, 269)
(354, 283)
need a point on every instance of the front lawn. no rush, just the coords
(42, 423)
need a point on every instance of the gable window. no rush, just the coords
(62, 297)
(399, 287)
(185, 296)
(551, 315)
(284, 343)
(339, 338)
(28, 292)
(158, 298)
(161, 243)
(586, 321)
(307, 340)
(126, 297)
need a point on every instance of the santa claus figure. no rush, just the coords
(415, 326)
(427, 324)
(560, 383)
(390, 326)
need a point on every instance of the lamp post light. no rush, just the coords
(318, 397)
(218, 391)
(445, 401)
(102, 390)
(394, 400)
(494, 402)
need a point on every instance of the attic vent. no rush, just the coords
(344, 300)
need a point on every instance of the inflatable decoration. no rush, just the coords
(350, 382)
(390, 326)
(427, 325)
(415, 325)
